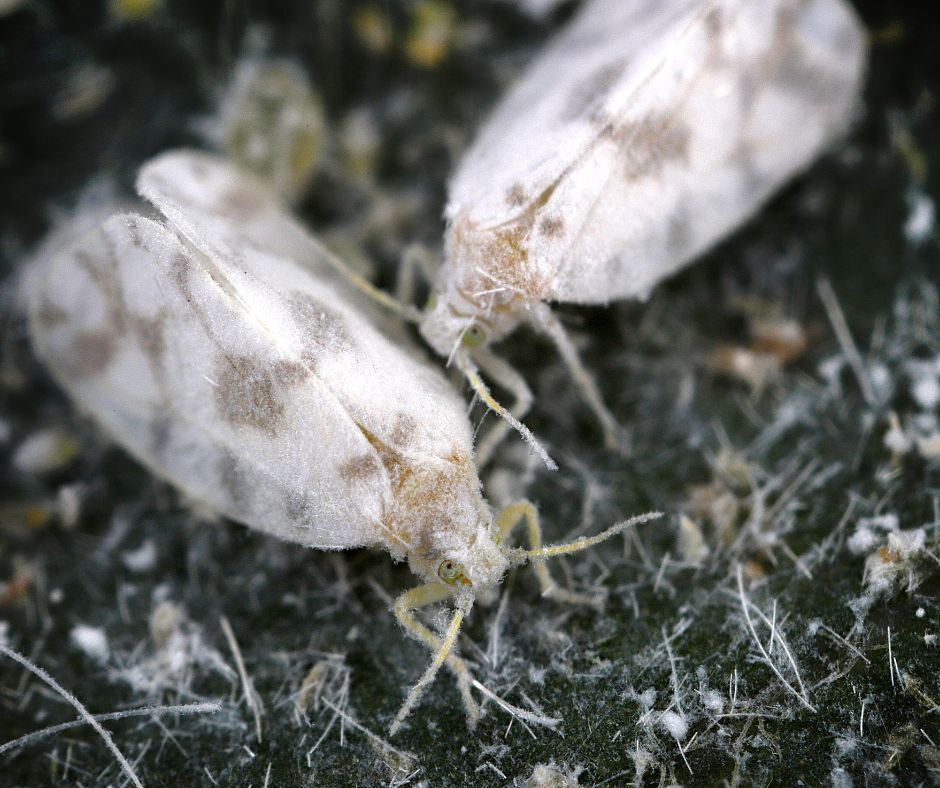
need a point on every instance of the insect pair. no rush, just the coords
(226, 349)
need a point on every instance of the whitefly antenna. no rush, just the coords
(589, 541)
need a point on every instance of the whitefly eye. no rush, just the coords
(474, 336)
(451, 572)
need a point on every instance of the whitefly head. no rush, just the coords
(444, 526)
(452, 323)
(468, 559)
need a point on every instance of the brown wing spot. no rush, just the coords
(359, 468)
(791, 67)
(160, 429)
(233, 479)
(107, 283)
(289, 373)
(247, 395)
(506, 265)
(309, 361)
(403, 433)
(92, 352)
(180, 271)
(297, 507)
(796, 72)
(502, 276)
(515, 195)
(714, 23)
(323, 329)
(590, 91)
(150, 337)
(133, 230)
(552, 226)
(421, 493)
(51, 315)
(652, 143)
(240, 204)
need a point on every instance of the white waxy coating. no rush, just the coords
(253, 386)
(647, 131)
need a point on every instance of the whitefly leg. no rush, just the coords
(468, 366)
(544, 320)
(506, 376)
(404, 310)
(416, 260)
(405, 605)
(525, 511)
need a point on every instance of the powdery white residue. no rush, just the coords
(711, 700)
(862, 541)
(179, 655)
(890, 565)
(143, 559)
(921, 218)
(646, 698)
(550, 775)
(907, 544)
(840, 778)
(536, 8)
(44, 451)
(926, 392)
(92, 641)
(675, 724)
(866, 538)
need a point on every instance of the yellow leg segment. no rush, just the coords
(483, 392)
(405, 605)
(507, 377)
(405, 311)
(514, 514)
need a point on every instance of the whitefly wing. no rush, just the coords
(646, 132)
(228, 377)
(224, 209)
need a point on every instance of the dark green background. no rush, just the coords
(289, 606)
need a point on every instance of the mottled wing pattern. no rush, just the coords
(244, 380)
(545, 121)
(264, 244)
(649, 130)
(167, 353)
(224, 210)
